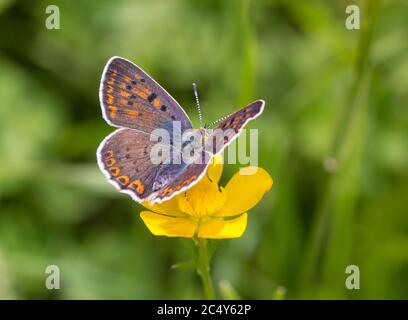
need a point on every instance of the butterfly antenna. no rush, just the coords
(198, 104)
(219, 120)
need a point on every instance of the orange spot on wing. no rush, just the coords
(124, 94)
(109, 89)
(190, 180)
(114, 171)
(126, 78)
(137, 185)
(110, 162)
(113, 111)
(140, 93)
(109, 98)
(157, 103)
(123, 180)
(132, 113)
(145, 89)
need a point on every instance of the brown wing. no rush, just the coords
(231, 126)
(190, 175)
(124, 158)
(132, 99)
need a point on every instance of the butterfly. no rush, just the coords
(132, 101)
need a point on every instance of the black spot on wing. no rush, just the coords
(151, 97)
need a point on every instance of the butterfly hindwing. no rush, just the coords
(190, 175)
(228, 129)
(124, 157)
(130, 98)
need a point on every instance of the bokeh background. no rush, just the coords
(333, 136)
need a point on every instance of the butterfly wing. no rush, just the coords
(185, 179)
(124, 158)
(228, 129)
(132, 99)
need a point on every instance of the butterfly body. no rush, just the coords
(132, 101)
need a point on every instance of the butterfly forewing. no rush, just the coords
(228, 129)
(132, 99)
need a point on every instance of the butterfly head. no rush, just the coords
(204, 135)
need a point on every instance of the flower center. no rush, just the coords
(203, 199)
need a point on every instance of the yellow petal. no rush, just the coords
(218, 228)
(161, 225)
(245, 191)
(203, 199)
(214, 170)
(169, 207)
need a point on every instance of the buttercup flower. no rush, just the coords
(208, 210)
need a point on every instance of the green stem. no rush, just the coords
(203, 269)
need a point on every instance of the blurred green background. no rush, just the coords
(332, 137)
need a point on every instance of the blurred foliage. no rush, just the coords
(333, 136)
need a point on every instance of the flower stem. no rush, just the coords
(203, 269)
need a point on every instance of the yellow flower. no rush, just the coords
(208, 210)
